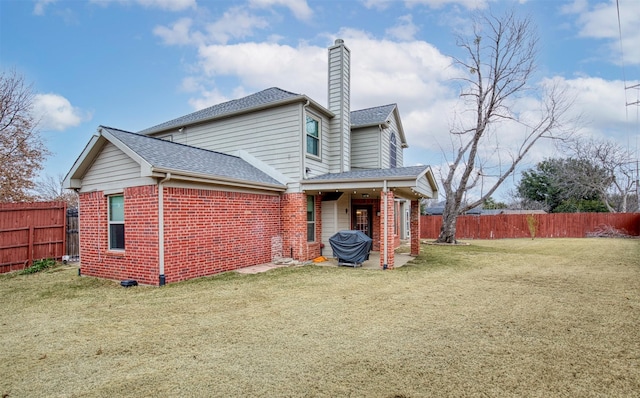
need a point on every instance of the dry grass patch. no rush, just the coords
(545, 317)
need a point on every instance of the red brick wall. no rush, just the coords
(390, 228)
(415, 227)
(139, 260)
(294, 227)
(207, 232)
(313, 248)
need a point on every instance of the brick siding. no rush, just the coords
(294, 227)
(140, 262)
(415, 227)
(390, 228)
(207, 232)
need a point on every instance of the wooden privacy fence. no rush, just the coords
(556, 225)
(31, 231)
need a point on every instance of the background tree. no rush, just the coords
(500, 60)
(50, 188)
(22, 152)
(564, 186)
(618, 189)
(491, 204)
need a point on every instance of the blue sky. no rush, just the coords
(131, 64)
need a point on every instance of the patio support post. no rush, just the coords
(386, 228)
(415, 227)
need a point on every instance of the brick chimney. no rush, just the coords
(338, 97)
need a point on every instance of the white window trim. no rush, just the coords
(313, 199)
(319, 120)
(110, 223)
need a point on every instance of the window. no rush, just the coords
(311, 219)
(393, 151)
(313, 136)
(116, 222)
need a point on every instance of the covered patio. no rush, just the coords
(379, 202)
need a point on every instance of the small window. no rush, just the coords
(311, 219)
(313, 136)
(116, 222)
(393, 151)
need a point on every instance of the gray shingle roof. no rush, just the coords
(264, 97)
(398, 172)
(178, 157)
(376, 115)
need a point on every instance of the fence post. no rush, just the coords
(31, 238)
(64, 230)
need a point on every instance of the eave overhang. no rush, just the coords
(182, 175)
(405, 186)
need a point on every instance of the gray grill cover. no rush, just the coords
(351, 246)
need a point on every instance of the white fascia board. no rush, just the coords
(359, 184)
(218, 180)
(428, 174)
(73, 178)
(403, 138)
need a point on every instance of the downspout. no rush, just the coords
(304, 140)
(386, 241)
(167, 177)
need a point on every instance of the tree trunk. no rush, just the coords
(449, 222)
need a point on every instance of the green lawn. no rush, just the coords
(535, 318)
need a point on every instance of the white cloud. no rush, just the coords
(468, 4)
(55, 112)
(38, 8)
(168, 5)
(299, 8)
(236, 23)
(404, 30)
(600, 21)
(177, 34)
(262, 65)
(602, 104)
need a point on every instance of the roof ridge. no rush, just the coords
(374, 107)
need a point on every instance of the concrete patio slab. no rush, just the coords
(373, 263)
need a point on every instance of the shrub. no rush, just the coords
(39, 265)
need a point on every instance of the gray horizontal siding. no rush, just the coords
(273, 136)
(365, 148)
(424, 186)
(111, 165)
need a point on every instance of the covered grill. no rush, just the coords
(350, 247)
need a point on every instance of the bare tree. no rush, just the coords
(618, 166)
(499, 62)
(21, 149)
(51, 188)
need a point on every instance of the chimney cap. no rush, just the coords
(339, 41)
